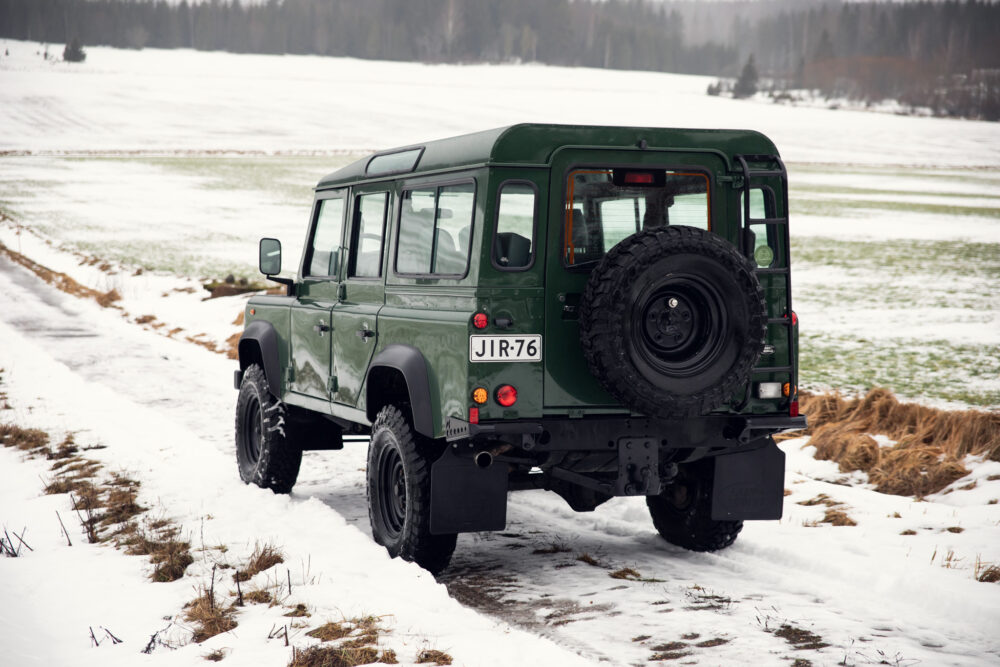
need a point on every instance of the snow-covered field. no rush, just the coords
(176, 162)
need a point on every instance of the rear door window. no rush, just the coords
(605, 206)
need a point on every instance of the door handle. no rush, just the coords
(365, 334)
(321, 328)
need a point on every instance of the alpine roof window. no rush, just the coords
(394, 163)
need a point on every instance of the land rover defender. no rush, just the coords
(595, 311)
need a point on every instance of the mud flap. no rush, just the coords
(749, 485)
(466, 498)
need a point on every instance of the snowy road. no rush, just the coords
(866, 592)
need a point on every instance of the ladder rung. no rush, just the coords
(779, 320)
(764, 172)
(771, 271)
(773, 369)
(767, 221)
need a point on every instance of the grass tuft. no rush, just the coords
(264, 556)
(930, 443)
(210, 617)
(330, 632)
(433, 656)
(838, 518)
(625, 573)
(25, 439)
(333, 656)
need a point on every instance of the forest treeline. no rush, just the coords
(942, 54)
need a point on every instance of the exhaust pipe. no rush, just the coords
(484, 459)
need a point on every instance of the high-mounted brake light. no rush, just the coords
(506, 395)
(638, 178)
(480, 321)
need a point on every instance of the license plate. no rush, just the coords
(505, 348)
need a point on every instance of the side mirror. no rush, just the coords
(269, 261)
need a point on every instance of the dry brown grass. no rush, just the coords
(589, 560)
(61, 281)
(329, 632)
(264, 556)
(988, 573)
(258, 596)
(838, 518)
(215, 656)
(625, 573)
(333, 656)
(169, 555)
(210, 617)
(29, 440)
(930, 443)
(433, 656)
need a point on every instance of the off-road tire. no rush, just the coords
(399, 492)
(266, 454)
(682, 513)
(672, 322)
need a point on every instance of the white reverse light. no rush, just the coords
(769, 390)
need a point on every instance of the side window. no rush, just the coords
(416, 231)
(453, 228)
(435, 230)
(366, 236)
(514, 244)
(324, 247)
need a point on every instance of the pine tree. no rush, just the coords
(746, 85)
(74, 53)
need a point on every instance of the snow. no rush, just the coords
(79, 180)
(186, 100)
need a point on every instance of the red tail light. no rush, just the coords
(479, 320)
(506, 395)
(793, 409)
(795, 319)
(473, 415)
(638, 178)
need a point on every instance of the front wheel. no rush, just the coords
(399, 493)
(682, 513)
(264, 452)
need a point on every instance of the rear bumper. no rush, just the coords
(595, 432)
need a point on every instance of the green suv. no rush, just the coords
(595, 311)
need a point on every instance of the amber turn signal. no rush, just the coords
(479, 395)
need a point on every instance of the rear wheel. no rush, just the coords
(682, 513)
(399, 493)
(265, 454)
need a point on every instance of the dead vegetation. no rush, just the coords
(800, 639)
(433, 656)
(929, 443)
(210, 617)
(356, 644)
(264, 557)
(61, 281)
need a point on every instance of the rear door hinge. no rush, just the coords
(290, 374)
(331, 385)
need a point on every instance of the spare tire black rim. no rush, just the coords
(677, 327)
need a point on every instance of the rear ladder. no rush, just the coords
(756, 169)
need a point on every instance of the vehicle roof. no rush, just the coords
(534, 144)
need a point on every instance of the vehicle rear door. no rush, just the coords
(571, 255)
